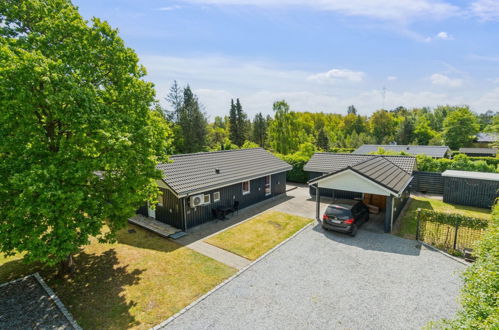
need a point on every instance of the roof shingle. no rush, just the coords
(192, 173)
(432, 151)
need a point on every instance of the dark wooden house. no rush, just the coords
(195, 186)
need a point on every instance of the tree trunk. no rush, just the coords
(66, 266)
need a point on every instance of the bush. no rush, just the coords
(460, 162)
(480, 294)
(342, 150)
(297, 174)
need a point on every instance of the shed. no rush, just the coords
(385, 176)
(479, 152)
(414, 150)
(194, 185)
(477, 189)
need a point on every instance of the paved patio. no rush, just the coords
(329, 280)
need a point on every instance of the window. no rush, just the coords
(160, 198)
(246, 187)
(206, 199)
(216, 196)
(268, 189)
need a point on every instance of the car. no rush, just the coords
(345, 216)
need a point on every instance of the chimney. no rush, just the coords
(217, 171)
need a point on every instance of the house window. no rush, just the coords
(246, 187)
(216, 196)
(206, 199)
(268, 189)
(160, 198)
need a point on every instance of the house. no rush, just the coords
(414, 150)
(477, 189)
(479, 152)
(485, 140)
(195, 185)
(382, 181)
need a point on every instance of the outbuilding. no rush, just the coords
(477, 189)
(380, 180)
(479, 152)
(195, 186)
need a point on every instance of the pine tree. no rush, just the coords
(242, 125)
(233, 129)
(193, 124)
(175, 98)
(259, 129)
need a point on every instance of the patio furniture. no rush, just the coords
(235, 207)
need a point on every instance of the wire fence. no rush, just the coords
(452, 233)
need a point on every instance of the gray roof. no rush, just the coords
(381, 171)
(471, 175)
(487, 137)
(478, 150)
(432, 151)
(188, 174)
(327, 162)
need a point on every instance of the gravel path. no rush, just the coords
(330, 280)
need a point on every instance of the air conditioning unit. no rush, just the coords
(196, 200)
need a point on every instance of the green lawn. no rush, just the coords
(253, 238)
(135, 283)
(408, 223)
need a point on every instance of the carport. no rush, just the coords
(375, 175)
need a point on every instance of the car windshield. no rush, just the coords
(338, 212)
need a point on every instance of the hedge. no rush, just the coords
(453, 219)
(342, 150)
(460, 162)
(297, 174)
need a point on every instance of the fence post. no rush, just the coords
(455, 235)
(417, 225)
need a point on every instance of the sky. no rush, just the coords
(318, 55)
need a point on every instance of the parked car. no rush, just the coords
(345, 216)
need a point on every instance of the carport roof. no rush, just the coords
(381, 170)
(327, 162)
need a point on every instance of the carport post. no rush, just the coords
(388, 214)
(317, 202)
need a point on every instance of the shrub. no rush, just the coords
(297, 174)
(460, 162)
(480, 293)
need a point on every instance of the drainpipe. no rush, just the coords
(185, 214)
(317, 202)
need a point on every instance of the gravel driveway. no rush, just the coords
(328, 280)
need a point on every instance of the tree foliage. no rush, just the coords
(460, 128)
(79, 142)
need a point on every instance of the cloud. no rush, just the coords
(443, 80)
(337, 75)
(487, 10)
(379, 9)
(169, 8)
(444, 36)
(391, 78)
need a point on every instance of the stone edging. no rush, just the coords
(57, 301)
(444, 253)
(219, 286)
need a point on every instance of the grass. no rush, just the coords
(408, 223)
(135, 283)
(253, 238)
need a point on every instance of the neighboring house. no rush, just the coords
(479, 152)
(485, 140)
(432, 151)
(194, 185)
(379, 180)
(477, 189)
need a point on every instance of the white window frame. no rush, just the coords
(216, 199)
(249, 187)
(270, 185)
(204, 199)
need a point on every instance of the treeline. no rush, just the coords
(288, 132)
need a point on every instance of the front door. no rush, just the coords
(151, 213)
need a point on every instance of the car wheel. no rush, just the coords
(354, 231)
(323, 227)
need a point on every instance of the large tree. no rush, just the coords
(239, 126)
(79, 142)
(383, 126)
(193, 124)
(259, 129)
(460, 128)
(284, 131)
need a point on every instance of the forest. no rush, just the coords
(288, 131)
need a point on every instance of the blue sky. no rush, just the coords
(319, 55)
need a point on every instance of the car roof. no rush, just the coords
(343, 205)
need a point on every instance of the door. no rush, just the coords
(151, 213)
